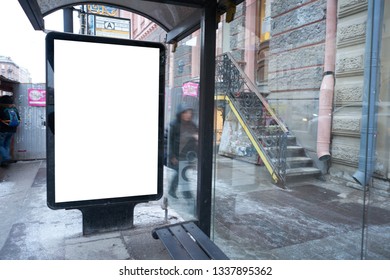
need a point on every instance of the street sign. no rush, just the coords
(112, 27)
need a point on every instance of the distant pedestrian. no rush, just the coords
(9, 121)
(183, 141)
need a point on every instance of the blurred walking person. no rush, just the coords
(182, 141)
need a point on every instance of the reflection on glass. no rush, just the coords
(378, 209)
(182, 130)
(273, 197)
(182, 155)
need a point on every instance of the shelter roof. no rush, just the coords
(178, 18)
(7, 84)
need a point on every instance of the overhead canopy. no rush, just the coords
(178, 18)
(7, 84)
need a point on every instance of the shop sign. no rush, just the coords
(36, 97)
(103, 10)
(112, 27)
(190, 89)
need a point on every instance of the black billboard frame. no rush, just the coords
(110, 212)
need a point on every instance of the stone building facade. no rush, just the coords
(295, 67)
(293, 70)
(351, 34)
(349, 95)
(10, 70)
(296, 58)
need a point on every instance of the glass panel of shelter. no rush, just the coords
(306, 217)
(316, 214)
(377, 218)
(182, 116)
(257, 214)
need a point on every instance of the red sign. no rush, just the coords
(36, 97)
(190, 89)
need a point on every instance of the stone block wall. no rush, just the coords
(182, 63)
(351, 37)
(296, 58)
(296, 68)
(298, 34)
(237, 34)
(351, 33)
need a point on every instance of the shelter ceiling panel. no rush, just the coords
(179, 18)
(166, 15)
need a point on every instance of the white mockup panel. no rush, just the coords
(106, 120)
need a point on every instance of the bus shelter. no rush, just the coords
(179, 19)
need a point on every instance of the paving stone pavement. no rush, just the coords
(253, 220)
(29, 230)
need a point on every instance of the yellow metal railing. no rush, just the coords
(255, 143)
(233, 82)
(254, 89)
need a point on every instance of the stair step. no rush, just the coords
(290, 148)
(291, 151)
(291, 140)
(294, 147)
(289, 137)
(299, 160)
(301, 171)
(295, 151)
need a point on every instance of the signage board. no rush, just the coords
(102, 10)
(105, 114)
(190, 89)
(36, 97)
(112, 27)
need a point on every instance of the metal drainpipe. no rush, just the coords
(327, 85)
(371, 91)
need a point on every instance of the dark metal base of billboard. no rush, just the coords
(99, 219)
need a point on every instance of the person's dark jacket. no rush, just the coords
(180, 137)
(6, 101)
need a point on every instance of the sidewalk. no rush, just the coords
(29, 230)
(253, 219)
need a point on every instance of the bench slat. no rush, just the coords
(205, 243)
(175, 250)
(188, 243)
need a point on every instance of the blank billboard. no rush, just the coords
(105, 120)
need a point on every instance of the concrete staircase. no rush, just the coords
(298, 163)
(278, 148)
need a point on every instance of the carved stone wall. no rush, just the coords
(296, 58)
(295, 70)
(237, 34)
(298, 33)
(351, 33)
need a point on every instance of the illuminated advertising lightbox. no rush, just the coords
(104, 107)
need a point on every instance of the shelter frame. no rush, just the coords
(200, 14)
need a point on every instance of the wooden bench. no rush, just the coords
(185, 241)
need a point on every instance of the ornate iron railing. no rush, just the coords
(265, 130)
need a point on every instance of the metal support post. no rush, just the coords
(206, 114)
(68, 20)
